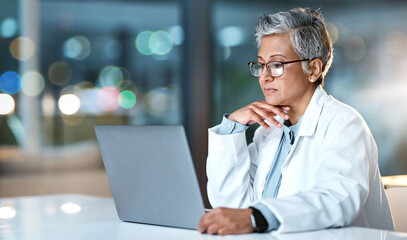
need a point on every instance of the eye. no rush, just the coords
(276, 65)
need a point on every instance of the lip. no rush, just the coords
(270, 90)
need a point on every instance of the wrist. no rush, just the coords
(231, 117)
(259, 223)
(251, 221)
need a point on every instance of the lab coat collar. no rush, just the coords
(312, 113)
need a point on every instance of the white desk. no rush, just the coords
(85, 217)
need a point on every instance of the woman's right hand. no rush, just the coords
(259, 112)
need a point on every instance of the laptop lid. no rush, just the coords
(151, 174)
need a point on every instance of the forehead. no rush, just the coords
(276, 45)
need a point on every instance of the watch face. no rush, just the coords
(253, 220)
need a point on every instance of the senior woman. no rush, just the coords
(313, 162)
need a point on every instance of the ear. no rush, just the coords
(315, 68)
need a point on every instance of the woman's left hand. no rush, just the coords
(225, 221)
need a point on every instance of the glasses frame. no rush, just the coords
(268, 68)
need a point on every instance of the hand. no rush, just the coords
(258, 112)
(224, 221)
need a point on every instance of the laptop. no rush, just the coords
(151, 175)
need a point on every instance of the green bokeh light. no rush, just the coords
(127, 99)
(142, 42)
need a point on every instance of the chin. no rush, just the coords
(274, 102)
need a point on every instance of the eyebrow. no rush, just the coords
(273, 56)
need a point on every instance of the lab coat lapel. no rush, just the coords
(309, 121)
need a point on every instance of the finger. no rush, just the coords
(212, 229)
(203, 223)
(286, 108)
(266, 115)
(207, 219)
(257, 117)
(275, 110)
(225, 231)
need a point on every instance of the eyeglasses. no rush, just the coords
(274, 68)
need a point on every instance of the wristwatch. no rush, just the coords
(258, 221)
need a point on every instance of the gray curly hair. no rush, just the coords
(308, 35)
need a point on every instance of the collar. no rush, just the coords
(291, 131)
(312, 113)
(309, 118)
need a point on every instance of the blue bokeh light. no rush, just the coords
(78, 48)
(142, 43)
(160, 43)
(231, 36)
(10, 82)
(177, 34)
(8, 27)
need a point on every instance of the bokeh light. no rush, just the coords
(78, 48)
(108, 99)
(142, 42)
(354, 49)
(70, 208)
(7, 212)
(69, 104)
(60, 73)
(159, 101)
(7, 104)
(32, 83)
(333, 32)
(231, 36)
(22, 48)
(110, 76)
(127, 99)
(48, 105)
(396, 43)
(160, 43)
(177, 34)
(8, 27)
(10, 82)
(89, 103)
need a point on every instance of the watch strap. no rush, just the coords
(260, 224)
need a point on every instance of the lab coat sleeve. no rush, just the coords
(341, 180)
(231, 167)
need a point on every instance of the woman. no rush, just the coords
(312, 163)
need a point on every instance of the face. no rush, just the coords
(293, 86)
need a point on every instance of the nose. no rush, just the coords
(265, 76)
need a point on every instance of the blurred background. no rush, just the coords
(68, 65)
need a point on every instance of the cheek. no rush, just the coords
(261, 82)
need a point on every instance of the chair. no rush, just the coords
(397, 197)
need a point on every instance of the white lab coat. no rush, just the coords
(329, 179)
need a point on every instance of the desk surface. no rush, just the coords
(86, 217)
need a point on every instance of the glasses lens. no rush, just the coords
(256, 69)
(276, 68)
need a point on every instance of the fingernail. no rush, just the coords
(286, 116)
(279, 125)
